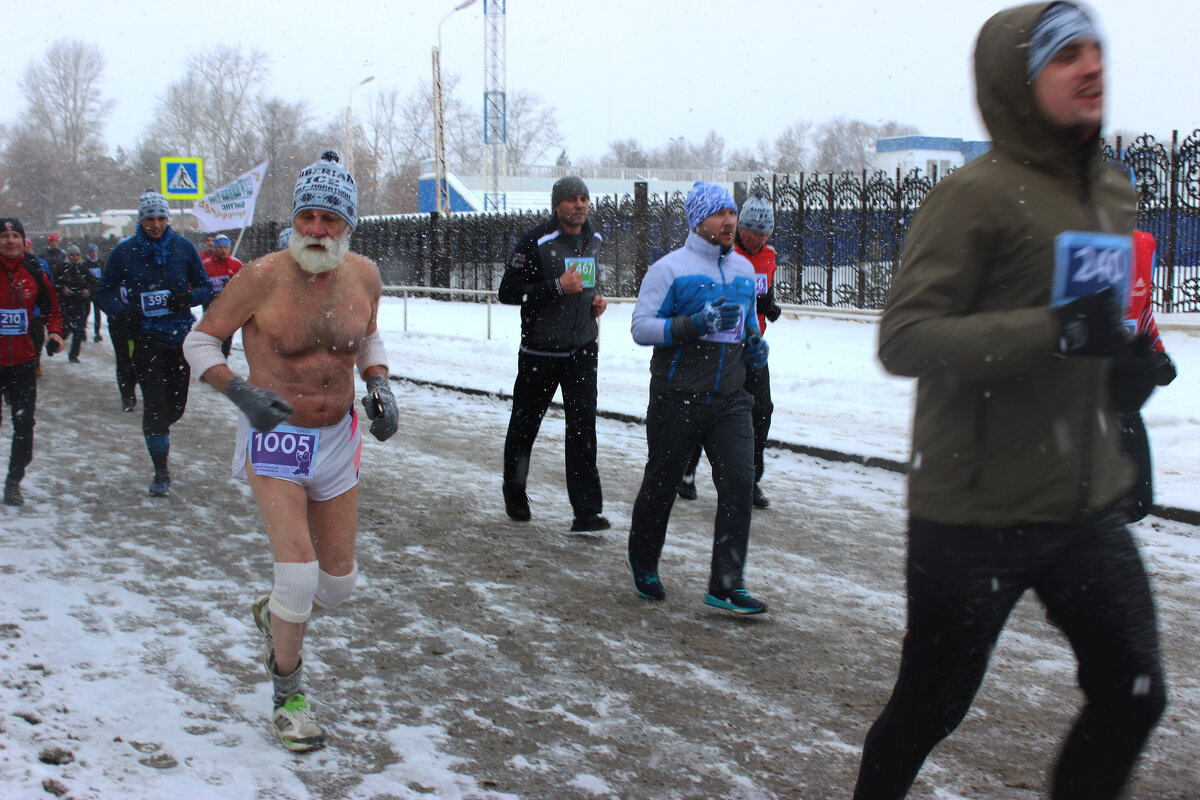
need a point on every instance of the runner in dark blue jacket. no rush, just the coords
(150, 283)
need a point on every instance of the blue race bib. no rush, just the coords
(14, 322)
(1086, 262)
(154, 304)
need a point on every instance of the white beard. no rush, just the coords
(318, 261)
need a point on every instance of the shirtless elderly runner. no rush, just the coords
(308, 316)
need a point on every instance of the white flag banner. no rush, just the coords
(231, 206)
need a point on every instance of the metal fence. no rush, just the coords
(838, 237)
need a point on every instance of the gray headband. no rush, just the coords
(1059, 25)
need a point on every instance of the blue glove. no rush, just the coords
(718, 316)
(756, 352)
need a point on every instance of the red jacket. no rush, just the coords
(764, 264)
(22, 286)
(1141, 300)
(219, 271)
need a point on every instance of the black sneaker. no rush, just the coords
(687, 490)
(516, 503)
(97, 338)
(130, 404)
(161, 485)
(760, 499)
(739, 601)
(646, 584)
(12, 495)
(590, 522)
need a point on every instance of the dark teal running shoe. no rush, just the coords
(646, 584)
(739, 601)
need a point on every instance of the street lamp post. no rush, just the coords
(348, 141)
(676, 143)
(439, 120)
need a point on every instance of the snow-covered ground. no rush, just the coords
(482, 658)
(828, 387)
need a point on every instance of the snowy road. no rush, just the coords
(483, 658)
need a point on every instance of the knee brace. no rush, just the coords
(333, 590)
(295, 587)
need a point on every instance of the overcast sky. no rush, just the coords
(615, 69)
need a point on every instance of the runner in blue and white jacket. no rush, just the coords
(696, 307)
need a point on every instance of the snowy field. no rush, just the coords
(829, 389)
(483, 658)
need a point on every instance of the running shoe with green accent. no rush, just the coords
(295, 726)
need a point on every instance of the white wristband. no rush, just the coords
(203, 352)
(371, 352)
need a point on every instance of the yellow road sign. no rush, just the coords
(182, 178)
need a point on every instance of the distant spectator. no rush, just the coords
(74, 286)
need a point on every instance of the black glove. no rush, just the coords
(180, 302)
(1164, 369)
(52, 346)
(1091, 325)
(262, 407)
(766, 305)
(1134, 375)
(130, 316)
(381, 407)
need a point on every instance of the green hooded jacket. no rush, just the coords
(1006, 431)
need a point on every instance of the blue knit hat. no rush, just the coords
(153, 205)
(757, 214)
(284, 236)
(327, 186)
(704, 200)
(1059, 25)
(222, 240)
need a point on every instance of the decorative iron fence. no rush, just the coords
(838, 237)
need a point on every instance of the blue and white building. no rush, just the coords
(926, 153)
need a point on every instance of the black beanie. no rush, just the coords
(566, 187)
(13, 224)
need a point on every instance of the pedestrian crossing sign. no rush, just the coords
(182, 178)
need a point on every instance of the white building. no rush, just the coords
(929, 154)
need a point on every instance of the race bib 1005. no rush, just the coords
(284, 452)
(154, 304)
(586, 267)
(14, 322)
(1086, 262)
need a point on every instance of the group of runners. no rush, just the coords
(1020, 476)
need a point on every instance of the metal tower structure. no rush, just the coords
(495, 104)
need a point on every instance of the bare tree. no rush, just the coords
(285, 138)
(64, 100)
(209, 113)
(532, 129)
(711, 152)
(53, 155)
(849, 145)
(625, 153)
(791, 151)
